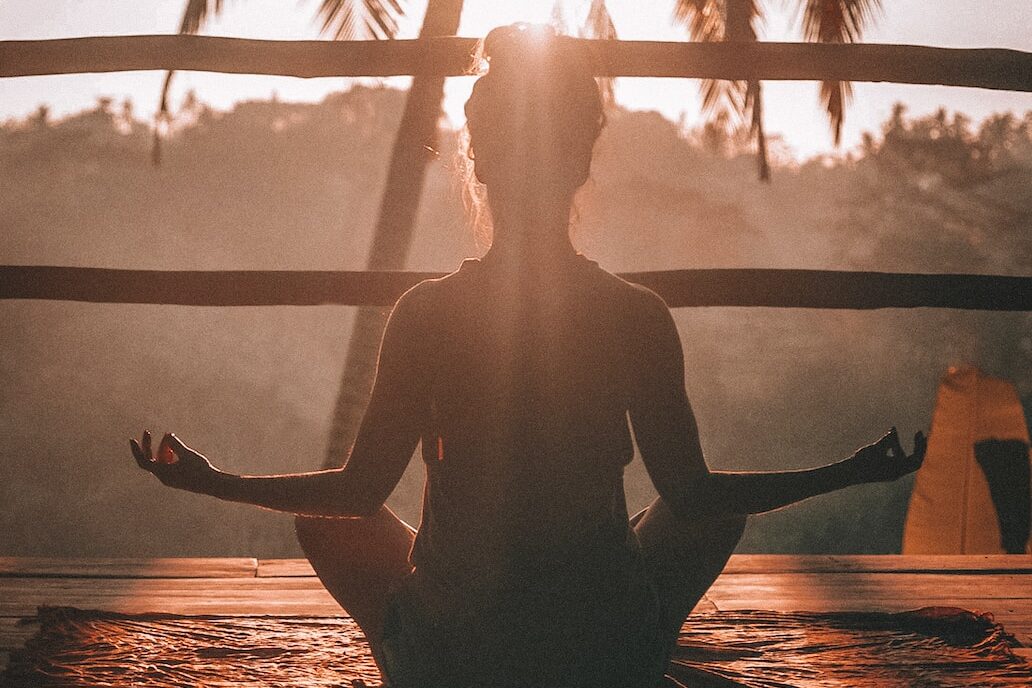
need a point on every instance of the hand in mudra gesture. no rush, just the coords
(885, 460)
(175, 464)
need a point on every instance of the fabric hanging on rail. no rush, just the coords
(972, 494)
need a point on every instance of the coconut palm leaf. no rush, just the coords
(837, 21)
(558, 18)
(740, 101)
(344, 19)
(197, 12)
(599, 24)
(349, 19)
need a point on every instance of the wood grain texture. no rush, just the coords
(898, 563)
(272, 568)
(871, 587)
(233, 596)
(998, 584)
(125, 567)
(451, 56)
(794, 563)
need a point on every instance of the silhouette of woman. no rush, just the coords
(518, 374)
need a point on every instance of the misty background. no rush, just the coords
(271, 185)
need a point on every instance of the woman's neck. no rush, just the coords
(529, 234)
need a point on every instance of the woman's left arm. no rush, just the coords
(384, 445)
(881, 461)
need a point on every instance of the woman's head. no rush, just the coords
(534, 117)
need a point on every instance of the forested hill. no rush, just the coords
(274, 185)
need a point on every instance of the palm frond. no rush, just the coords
(599, 24)
(837, 21)
(349, 20)
(197, 12)
(704, 19)
(558, 18)
(731, 102)
(345, 19)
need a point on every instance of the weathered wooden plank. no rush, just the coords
(273, 568)
(273, 596)
(796, 563)
(705, 605)
(899, 563)
(760, 287)
(844, 587)
(20, 596)
(1007, 611)
(997, 584)
(127, 567)
(211, 567)
(451, 56)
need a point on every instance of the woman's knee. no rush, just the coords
(733, 525)
(663, 535)
(721, 534)
(376, 543)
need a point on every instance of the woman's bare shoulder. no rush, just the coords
(634, 296)
(429, 294)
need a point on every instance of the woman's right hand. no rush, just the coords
(176, 464)
(885, 460)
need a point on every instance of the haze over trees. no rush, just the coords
(297, 186)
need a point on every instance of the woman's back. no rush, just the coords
(527, 433)
(525, 441)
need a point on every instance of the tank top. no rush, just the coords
(526, 570)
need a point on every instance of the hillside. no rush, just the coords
(296, 186)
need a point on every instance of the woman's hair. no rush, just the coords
(538, 105)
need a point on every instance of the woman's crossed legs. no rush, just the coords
(360, 560)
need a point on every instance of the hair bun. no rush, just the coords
(521, 46)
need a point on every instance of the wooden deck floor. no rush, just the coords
(1001, 584)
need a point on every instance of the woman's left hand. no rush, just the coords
(885, 460)
(175, 465)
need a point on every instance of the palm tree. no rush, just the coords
(823, 21)
(392, 238)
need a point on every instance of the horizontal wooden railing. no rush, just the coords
(907, 64)
(680, 288)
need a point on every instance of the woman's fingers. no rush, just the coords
(166, 454)
(147, 452)
(895, 448)
(177, 445)
(141, 459)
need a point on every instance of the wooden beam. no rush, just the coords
(128, 567)
(680, 288)
(910, 64)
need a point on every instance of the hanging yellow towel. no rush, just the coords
(951, 509)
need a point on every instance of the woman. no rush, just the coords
(518, 374)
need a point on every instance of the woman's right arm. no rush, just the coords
(668, 438)
(389, 432)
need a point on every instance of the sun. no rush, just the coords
(480, 17)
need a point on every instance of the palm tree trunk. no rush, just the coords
(392, 238)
